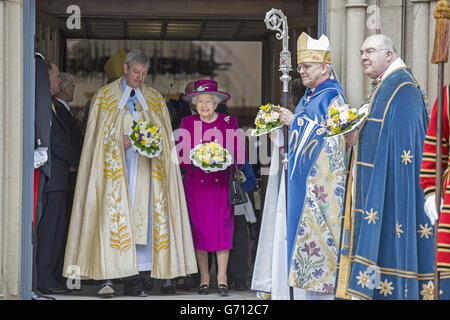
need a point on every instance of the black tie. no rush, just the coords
(131, 97)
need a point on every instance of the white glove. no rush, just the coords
(430, 208)
(277, 138)
(40, 156)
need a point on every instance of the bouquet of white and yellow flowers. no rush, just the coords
(342, 119)
(145, 138)
(210, 157)
(267, 119)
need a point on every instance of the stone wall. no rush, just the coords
(410, 24)
(11, 120)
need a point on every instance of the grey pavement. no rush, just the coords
(89, 292)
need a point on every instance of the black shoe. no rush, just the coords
(36, 295)
(240, 285)
(134, 288)
(147, 285)
(204, 289)
(168, 289)
(55, 290)
(222, 290)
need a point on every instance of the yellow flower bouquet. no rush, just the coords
(146, 138)
(342, 119)
(267, 119)
(210, 157)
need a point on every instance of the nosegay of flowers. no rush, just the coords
(267, 119)
(342, 119)
(146, 138)
(210, 157)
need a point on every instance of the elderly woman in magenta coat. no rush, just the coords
(207, 194)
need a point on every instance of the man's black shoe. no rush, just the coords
(240, 285)
(168, 289)
(147, 285)
(56, 290)
(36, 295)
(134, 288)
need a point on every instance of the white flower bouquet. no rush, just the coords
(267, 119)
(210, 157)
(342, 119)
(145, 138)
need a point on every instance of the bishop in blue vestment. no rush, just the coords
(387, 241)
(316, 177)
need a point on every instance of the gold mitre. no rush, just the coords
(114, 66)
(312, 50)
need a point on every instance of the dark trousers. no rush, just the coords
(238, 261)
(42, 179)
(51, 239)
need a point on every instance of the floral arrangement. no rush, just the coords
(146, 138)
(210, 157)
(342, 119)
(267, 119)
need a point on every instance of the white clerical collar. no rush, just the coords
(40, 55)
(64, 104)
(397, 64)
(126, 95)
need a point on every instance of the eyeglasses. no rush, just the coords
(369, 52)
(307, 67)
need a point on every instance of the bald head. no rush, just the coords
(378, 52)
(385, 42)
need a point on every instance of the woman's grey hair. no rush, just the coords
(138, 56)
(216, 97)
(66, 80)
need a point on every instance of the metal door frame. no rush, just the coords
(26, 248)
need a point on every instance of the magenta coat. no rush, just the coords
(211, 214)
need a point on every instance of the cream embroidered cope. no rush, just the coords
(113, 170)
(104, 227)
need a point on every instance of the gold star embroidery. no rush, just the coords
(398, 230)
(363, 279)
(371, 216)
(386, 288)
(406, 157)
(428, 291)
(425, 231)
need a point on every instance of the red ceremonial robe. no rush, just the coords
(428, 177)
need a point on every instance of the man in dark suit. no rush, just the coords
(58, 192)
(43, 117)
(62, 99)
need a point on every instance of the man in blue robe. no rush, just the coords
(387, 241)
(316, 176)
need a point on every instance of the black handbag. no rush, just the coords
(237, 192)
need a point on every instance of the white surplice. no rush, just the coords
(143, 252)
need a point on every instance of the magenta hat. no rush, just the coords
(206, 86)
